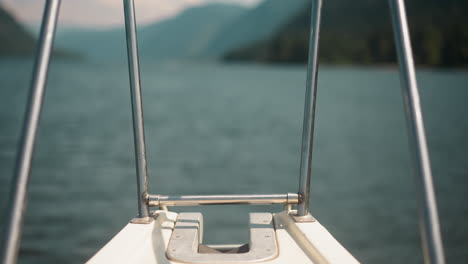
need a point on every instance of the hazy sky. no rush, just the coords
(105, 13)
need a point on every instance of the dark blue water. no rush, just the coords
(235, 129)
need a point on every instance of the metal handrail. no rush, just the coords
(309, 110)
(137, 111)
(429, 219)
(19, 189)
(193, 200)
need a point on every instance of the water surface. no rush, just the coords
(229, 129)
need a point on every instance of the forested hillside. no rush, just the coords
(359, 32)
(14, 39)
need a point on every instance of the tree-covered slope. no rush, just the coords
(360, 32)
(253, 25)
(14, 39)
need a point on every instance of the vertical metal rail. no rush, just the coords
(137, 111)
(429, 220)
(309, 110)
(18, 196)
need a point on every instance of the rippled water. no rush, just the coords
(234, 129)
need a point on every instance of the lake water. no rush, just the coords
(213, 128)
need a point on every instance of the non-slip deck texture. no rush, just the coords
(184, 245)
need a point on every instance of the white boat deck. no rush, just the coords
(305, 242)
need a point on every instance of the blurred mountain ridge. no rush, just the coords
(274, 31)
(183, 36)
(19, 40)
(253, 25)
(360, 32)
(202, 32)
(14, 39)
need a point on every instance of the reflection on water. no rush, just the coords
(234, 129)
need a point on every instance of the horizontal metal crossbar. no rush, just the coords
(192, 200)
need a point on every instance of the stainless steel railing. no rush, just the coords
(429, 219)
(19, 188)
(309, 110)
(431, 238)
(137, 111)
(193, 200)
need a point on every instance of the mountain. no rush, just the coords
(14, 39)
(179, 37)
(360, 32)
(96, 44)
(256, 24)
(188, 34)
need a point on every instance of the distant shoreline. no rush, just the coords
(80, 59)
(346, 65)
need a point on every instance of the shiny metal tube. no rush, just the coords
(429, 220)
(18, 196)
(193, 200)
(309, 110)
(137, 108)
